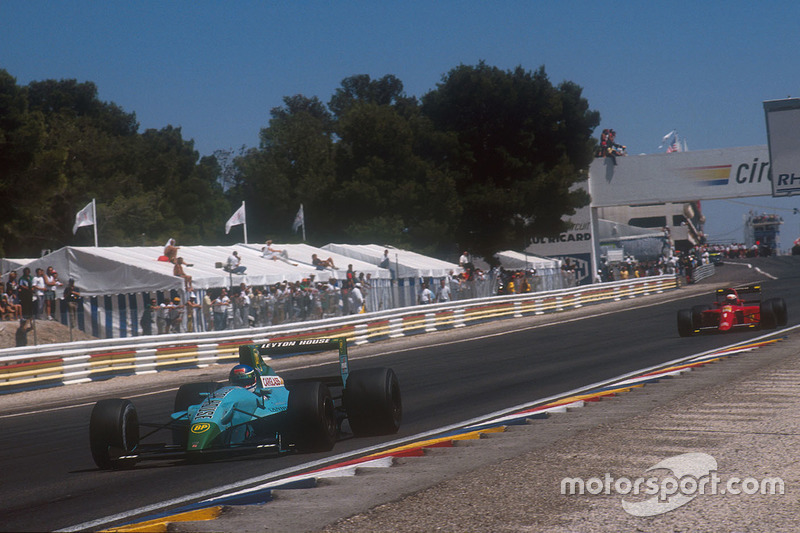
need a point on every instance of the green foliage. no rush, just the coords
(489, 157)
(522, 146)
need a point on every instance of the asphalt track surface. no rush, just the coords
(50, 482)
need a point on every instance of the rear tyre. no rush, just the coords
(697, 315)
(373, 402)
(188, 395)
(685, 323)
(311, 416)
(768, 318)
(113, 432)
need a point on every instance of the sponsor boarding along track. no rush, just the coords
(208, 506)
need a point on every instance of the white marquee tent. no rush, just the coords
(406, 264)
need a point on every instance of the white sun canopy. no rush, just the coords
(407, 264)
(114, 270)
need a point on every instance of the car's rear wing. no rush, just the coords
(252, 354)
(744, 289)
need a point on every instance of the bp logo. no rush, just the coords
(200, 428)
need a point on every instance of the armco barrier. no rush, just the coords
(78, 362)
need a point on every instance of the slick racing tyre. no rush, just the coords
(769, 319)
(685, 323)
(311, 415)
(113, 433)
(372, 401)
(697, 315)
(779, 309)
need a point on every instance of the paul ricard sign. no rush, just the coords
(681, 177)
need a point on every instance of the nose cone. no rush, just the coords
(202, 436)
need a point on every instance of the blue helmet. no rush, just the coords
(243, 376)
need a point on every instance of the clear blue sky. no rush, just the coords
(215, 69)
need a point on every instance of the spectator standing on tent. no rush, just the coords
(51, 283)
(234, 264)
(71, 298)
(39, 289)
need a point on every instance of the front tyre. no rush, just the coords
(768, 317)
(311, 417)
(373, 402)
(779, 309)
(685, 323)
(113, 433)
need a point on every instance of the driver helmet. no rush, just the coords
(243, 376)
(731, 297)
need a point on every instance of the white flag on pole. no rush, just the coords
(237, 219)
(299, 219)
(666, 138)
(85, 217)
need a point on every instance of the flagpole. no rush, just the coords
(304, 223)
(94, 218)
(244, 224)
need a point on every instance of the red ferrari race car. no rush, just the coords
(732, 311)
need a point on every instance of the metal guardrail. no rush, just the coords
(79, 362)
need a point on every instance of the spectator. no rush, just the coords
(177, 270)
(147, 317)
(71, 298)
(322, 264)
(191, 312)
(234, 264)
(162, 318)
(207, 316)
(25, 325)
(39, 289)
(6, 311)
(12, 288)
(51, 283)
(443, 293)
(270, 252)
(426, 296)
(464, 262)
(171, 251)
(220, 305)
(356, 300)
(385, 261)
(175, 315)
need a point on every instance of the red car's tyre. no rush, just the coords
(113, 432)
(685, 323)
(372, 401)
(779, 308)
(697, 315)
(768, 318)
